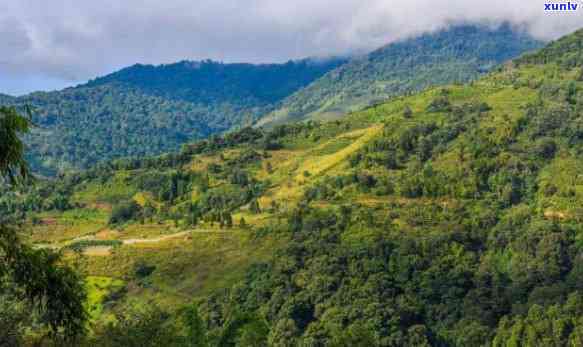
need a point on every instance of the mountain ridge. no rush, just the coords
(5, 98)
(164, 105)
(168, 105)
(455, 54)
(250, 80)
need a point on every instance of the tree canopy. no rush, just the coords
(32, 279)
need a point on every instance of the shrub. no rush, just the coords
(143, 270)
(124, 211)
(546, 148)
(407, 112)
(439, 104)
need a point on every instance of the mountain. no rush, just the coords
(146, 110)
(5, 99)
(210, 82)
(450, 217)
(454, 55)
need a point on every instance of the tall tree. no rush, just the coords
(55, 291)
(12, 163)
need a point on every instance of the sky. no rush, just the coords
(46, 45)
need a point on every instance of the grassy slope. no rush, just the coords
(190, 267)
(208, 259)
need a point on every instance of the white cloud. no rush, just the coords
(76, 40)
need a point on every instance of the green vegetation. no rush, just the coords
(147, 110)
(101, 291)
(450, 217)
(12, 164)
(455, 55)
(36, 289)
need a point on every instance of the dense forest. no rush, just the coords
(454, 55)
(451, 217)
(147, 110)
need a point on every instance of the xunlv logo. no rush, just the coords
(562, 6)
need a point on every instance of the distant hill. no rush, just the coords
(458, 54)
(146, 110)
(449, 217)
(5, 98)
(211, 82)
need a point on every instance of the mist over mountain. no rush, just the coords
(454, 55)
(75, 41)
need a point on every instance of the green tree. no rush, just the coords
(139, 328)
(242, 223)
(254, 207)
(407, 112)
(228, 219)
(243, 330)
(196, 334)
(55, 291)
(124, 211)
(13, 166)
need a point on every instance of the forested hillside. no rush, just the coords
(147, 110)
(451, 217)
(458, 54)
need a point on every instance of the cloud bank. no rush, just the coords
(71, 40)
